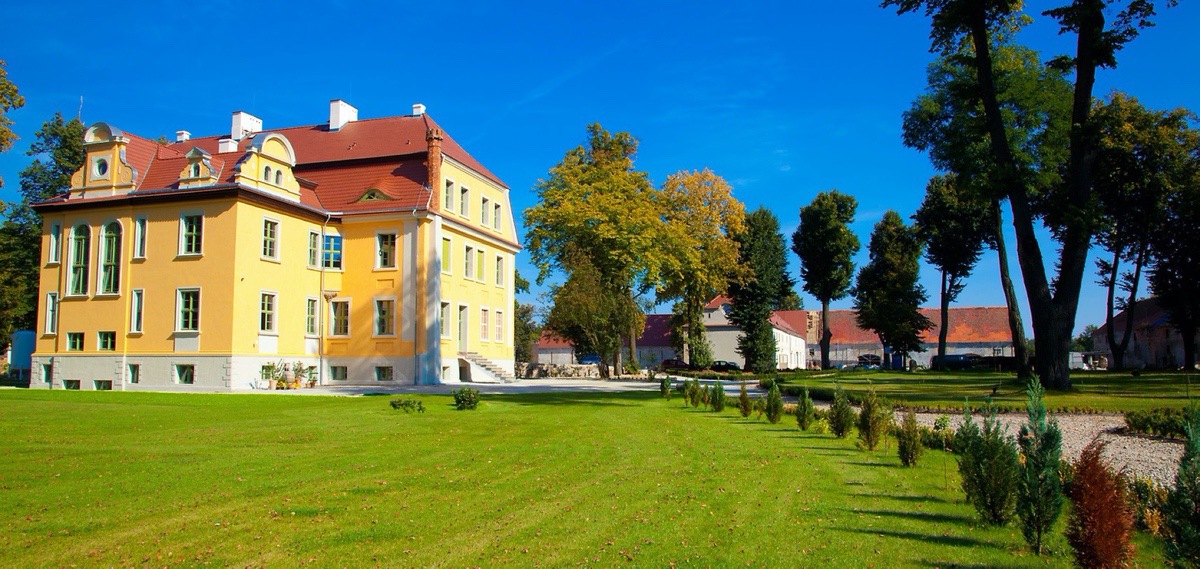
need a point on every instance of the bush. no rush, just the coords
(1101, 524)
(774, 405)
(1183, 505)
(465, 398)
(760, 405)
(967, 432)
(664, 387)
(1161, 421)
(873, 420)
(1039, 493)
(908, 440)
(706, 395)
(766, 383)
(408, 405)
(744, 406)
(692, 394)
(819, 427)
(804, 411)
(989, 468)
(718, 397)
(841, 415)
(937, 439)
(1148, 500)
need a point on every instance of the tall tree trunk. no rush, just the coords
(1188, 334)
(1110, 334)
(826, 335)
(633, 357)
(1119, 348)
(944, 325)
(1016, 325)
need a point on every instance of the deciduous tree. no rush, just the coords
(1175, 277)
(826, 247)
(888, 296)
(10, 99)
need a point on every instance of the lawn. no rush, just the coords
(111, 478)
(1093, 391)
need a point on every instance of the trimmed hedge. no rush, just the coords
(1161, 421)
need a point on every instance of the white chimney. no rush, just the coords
(182, 135)
(244, 123)
(227, 145)
(340, 113)
(418, 109)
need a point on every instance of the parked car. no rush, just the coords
(590, 359)
(956, 362)
(722, 365)
(674, 365)
(866, 361)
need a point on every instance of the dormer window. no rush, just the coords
(101, 167)
(266, 173)
(279, 177)
(196, 170)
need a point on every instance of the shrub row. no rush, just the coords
(1162, 421)
(408, 405)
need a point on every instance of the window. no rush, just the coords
(110, 259)
(106, 341)
(47, 373)
(72, 384)
(385, 317)
(134, 373)
(332, 253)
(279, 177)
(449, 196)
(55, 248)
(139, 237)
(446, 246)
(499, 333)
(51, 313)
(191, 238)
(496, 217)
(80, 244)
(137, 304)
(444, 321)
(499, 270)
(385, 248)
(102, 384)
(270, 244)
(101, 168)
(310, 317)
(464, 202)
(483, 212)
(383, 373)
(479, 265)
(266, 173)
(483, 324)
(189, 310)
(337, 373)
(75, 341)
(185, 373)
(339, 324)
(469, 262)
(195, 169)
(314, 250)
(266, 312)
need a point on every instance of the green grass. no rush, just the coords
(102, 479)
(1093, 391)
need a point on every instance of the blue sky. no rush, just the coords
(782, 99)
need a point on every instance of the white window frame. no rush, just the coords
(137, 310)
(341, 258)
(448, 191)
(498, 327)
(391, 373)
(464, 205)
(51, 327)
(100, 345)
(54, 251)
(333, 317)
(87, 256)
(496, 211)
(312, 324)
(178, 370)
(140, 226)
(379, 266)
(375, 319)
(500, 280)
(480, 275)
(447, 255)
(133, 373)
(469, 263)
(73, 335)
(273, 315)
(485, 323)
(483, 211)
(333, 376)
(276, 239)
(102, 253)
(314, 252)
(179, 309)
(444, 331)
(183, 252)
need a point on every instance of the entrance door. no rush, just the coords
(462, 328)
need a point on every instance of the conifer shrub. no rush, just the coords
(1162, 421)
(745, 407)
(1182, 510)
(874, 418)
(765, 383)
(908, 440)
(805, 411)
(774, 406)
(967, 432)
(1100, 526)
(1039, 492)
(718, 397)
(693, 392)
(841, 415)
(819, 427)
(664, 387)
(1149, 500)
(760, 405)
(988, 467)
(706, 396)
(465, 398)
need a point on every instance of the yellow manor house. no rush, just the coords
(376, 251)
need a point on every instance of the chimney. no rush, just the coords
(182, 136)
(340, 113)
(418, 110)
(433, 137)
(227, 145)
(244, 123)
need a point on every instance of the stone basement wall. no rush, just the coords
(535, 370)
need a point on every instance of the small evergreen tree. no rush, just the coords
(1040, 494)
(664, 387)
(967, 432)
(1100, 525)
(908, 440)
(873, 420)
(718, 397)
(694, 392)
(1183, 505)
(760, 405)
(774, 404)
(745, 407)
(841, 415)
(805, 411)
(990, 470)
(706, 396)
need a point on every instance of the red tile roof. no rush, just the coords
(1148, 313)
(717, 302)
(548, 340)
(794, 321)
(339, 186)
(972, 324)
(657, 331)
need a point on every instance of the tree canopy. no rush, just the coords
(888, 296)
(826, 247)
(763, 252)
(10, 99)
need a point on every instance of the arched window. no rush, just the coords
(80, 243)
(196, 170)
(279, 177)
(266, 173)
(110, 259)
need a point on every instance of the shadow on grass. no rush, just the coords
(950, 540)
(873, 464)
(619, 399)
(919, 499)
(931, 517)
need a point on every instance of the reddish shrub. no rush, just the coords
(1101, 522)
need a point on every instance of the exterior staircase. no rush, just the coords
(499, 374)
